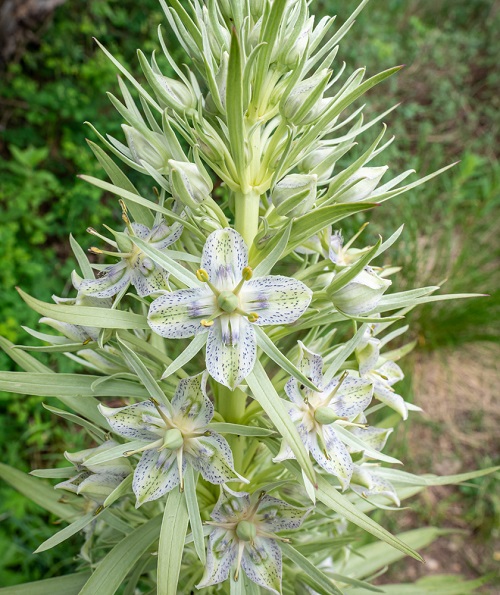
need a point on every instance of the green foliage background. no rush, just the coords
(450, 111)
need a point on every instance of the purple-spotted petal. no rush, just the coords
(148, 281)
(231, 350)
(191, 402)
(140, 230)
(338, 462)
(230, 505)
(177, 315)
(293, 393)
(311, 365)
(112, 280)
(391, 372)
(390, 398)
(374, 437)
(368, 356)
(221, 555)
(163, 235)
(379, 487)
(276, 299)
(212, 457)
(132, 421)
(278, 515)
(225, 255)
(353, 396)
(261, 562)
(155, 475)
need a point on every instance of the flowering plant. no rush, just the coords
(200, 475)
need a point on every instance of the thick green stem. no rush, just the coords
(246, 215)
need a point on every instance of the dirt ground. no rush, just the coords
(458, 431)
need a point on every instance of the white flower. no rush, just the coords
(316, 414)
(95, 481)
(243, 535)
(362, 294)
(173, 440)
(362, 184)
(227, 306)
(134, 266)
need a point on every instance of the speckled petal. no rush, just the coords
(368, 356)
(155, 476)
(178, 314)
(380, 487)
(141, 231)
(311, 364)
(163, 235)
(276, 299)
(229, 362)
(212, 457)
(230, 505)
(132, 421)
(293, 393)
(261, 562)
(112, 280)
(390, 398)
(191, 401)
(338, 462)
(225, 255)
(149, 282)
(221, 555)
(353, 396)
(374, 437)
(279, 515)
(391, 371)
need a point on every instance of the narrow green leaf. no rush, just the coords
(123, 488)
(67, 532)
(273, 254)
(173, 532)
(144, 375)
(62, 385)
(76, 419)
(38, 491)
(194, 514)
(81, 257)
(179, 272)
(265, 393)
(69, 584)
(112, 570)
(270, 349)
(234, 105)
(24, 360)
(343, 354)
(320, 580)
(187, 355)
(356, 442)
(115, 452)
(85, 315)
(433, 480)
(57, 473)
(239, 430)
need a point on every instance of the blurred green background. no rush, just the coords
(53, 78)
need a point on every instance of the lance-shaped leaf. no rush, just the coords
(69, 584)
(67, 532)
(265, 393)
(234, 107)
(186, 356)
(194, 514)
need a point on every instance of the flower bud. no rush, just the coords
(246, 531)
(257, 8)
(321, 162)
(361, 477)
(143, 150)
(367, 179)
(123, 242)
(304, 104)
(294, 50)
(173, 439)
(175, 94)
(362, 294)
(189, 185)
(294, 195)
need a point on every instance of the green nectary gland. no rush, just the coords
(173, 439)
(227, 301)
(325, 416)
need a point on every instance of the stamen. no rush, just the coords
(252, 316)
(241, 548)
(208, 322)
(246, 275)
(202, 276)
(95, 250)
(328, 400)
(92, 231)
(179, 467)
(150, 446)
(125, 217)
(166, 419)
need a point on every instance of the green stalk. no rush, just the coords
(246, 215)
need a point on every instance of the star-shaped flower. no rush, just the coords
(96, 482)
(244, 535)
(317, 413)
(173, 439)
(134, 266)
(227, 306)
(382, 373)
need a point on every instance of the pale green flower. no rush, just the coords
(227, 306)
(316, 414)
(95, 481)
(361, 184)
(295, 194)
(361, 295)
(244, 536)
(173, 440)
(134, 266)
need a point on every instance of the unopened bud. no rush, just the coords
(362, 294)
(320, 162)
(143, 149)
(295, 194)
(123, 242)
(175, 94)
(361, 477)
(365, 180)
(304, 104)
(189, 185)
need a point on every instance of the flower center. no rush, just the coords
(173, 439)
(227, 301)
(325, 416)
(246, 531)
